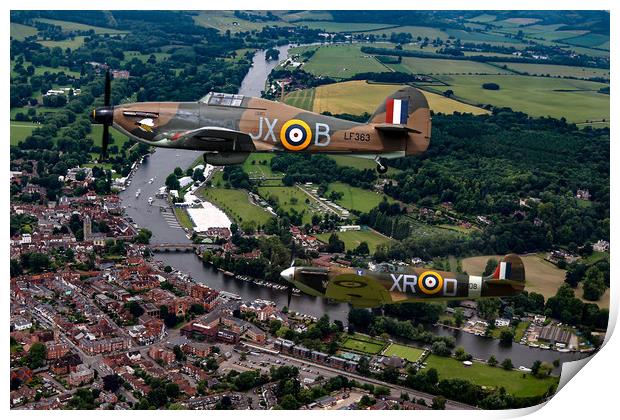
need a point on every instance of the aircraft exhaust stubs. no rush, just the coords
(295, 135)
(430, 283)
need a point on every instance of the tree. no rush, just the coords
(492, 361)
(143, 236)
(536, 367)
(172, 182)
(36, 355)
(135, 309)
(178, 353)
(490, 267)
(488, 308)
(459, 317)
(507, 364)
(111, 382)
(439, 403)
(506, 337)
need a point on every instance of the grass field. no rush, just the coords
(557, 70)
(415, 31)
(340, 61)
(357, 96)
(224, 20)
(236, 204)
(118, 138)
(74, 43)
(356, 198)
(20, 32)
(411, 354)
(589, 40)
(576, 100)
(363, 345)
(436, 66)
(183, 218)
(344, 26)
(353, 238)
(130, 55)
(303, 99)
(254, 168)
(74, 26)
(20, 130)
(359, 163)
(290, 198)
(513, 381)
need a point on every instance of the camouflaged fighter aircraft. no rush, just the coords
(229, 127)
(388, 285)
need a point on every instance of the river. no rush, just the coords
(161, 163)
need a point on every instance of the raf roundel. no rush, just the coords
(430, 282)
(295, 135)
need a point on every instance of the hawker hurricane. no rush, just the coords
(228, 127)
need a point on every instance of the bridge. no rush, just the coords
(172, 247)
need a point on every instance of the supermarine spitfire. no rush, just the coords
(228, 127)
(368, 289)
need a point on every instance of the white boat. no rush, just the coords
(151, 181)
(138, 193)
(151, 200)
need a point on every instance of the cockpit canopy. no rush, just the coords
(222, 99)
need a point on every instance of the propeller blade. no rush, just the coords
(107, 92)
(104, 141)
(293, 252)
(289, 295)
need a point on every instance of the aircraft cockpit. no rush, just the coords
(222, 99)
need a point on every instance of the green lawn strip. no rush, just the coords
(517, 383)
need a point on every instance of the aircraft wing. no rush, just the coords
(362, 291)
(395, 128)
(204, 138)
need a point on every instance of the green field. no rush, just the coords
(236, 204)
(356, 198)
(291, 198)
(352, 239)
(224, 20)
(183, 218)
(254, 168)
(74, 26)
(417, 65)
(556, 70)
(20, 32)
(130, 55)
(513, 381)
(341, 61)
(409, 353)
(74, 43)
(589, 40)
(576, 100)
(118, 138)
(345, 26)
(363, 345)
(415, 31)
(20, 130)
(303, 99)
(359, 163)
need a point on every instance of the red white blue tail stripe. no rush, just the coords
(503, 271)
(396, 111)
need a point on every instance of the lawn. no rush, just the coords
(74, 43)
(409, 353)
(418, 65)
(224, 20)
(236, 204)
(118, 138)
(361, 345)
(415, 31)
(303, 99)
(557, 70)
(353, 238)
(516, 383)
(359, 163)
(291, 198)
(341, 61)
(353, 97)
(20, 130)
(356, 198)
(576, 100)
(254, 167)
(346, 26)
(589, 40)
(20, 32)
(130, 55)
(74, 26)
(183, 218)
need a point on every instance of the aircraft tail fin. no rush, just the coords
(510, 269)
(405, 112)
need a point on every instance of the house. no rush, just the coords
(502, 322)
(82, 375)
(554, 335)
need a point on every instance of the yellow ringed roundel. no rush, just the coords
(430, 282)
(295, 135)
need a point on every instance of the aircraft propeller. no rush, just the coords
(105, 115)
